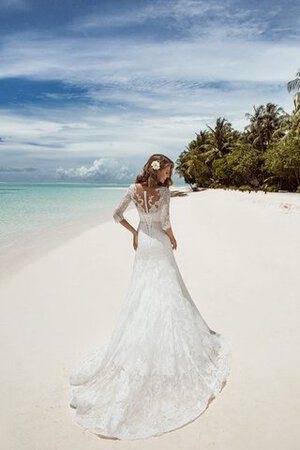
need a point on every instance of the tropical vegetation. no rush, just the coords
(264, 156)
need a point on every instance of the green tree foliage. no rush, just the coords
(294, 85)
(282, 159)
(266, 155)
(242, 166)
(263, 124)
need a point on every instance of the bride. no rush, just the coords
(163, 365)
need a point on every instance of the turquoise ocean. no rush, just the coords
(34, 217)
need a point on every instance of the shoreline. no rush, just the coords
(23, 252)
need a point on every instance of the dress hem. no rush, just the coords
(219, 385)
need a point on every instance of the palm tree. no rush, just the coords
(198, 144)
(292, 121)
(263, 123)
(220, 141)
(294, 85)
(191, 162)
(184, 166)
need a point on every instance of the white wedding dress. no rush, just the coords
(163, 365)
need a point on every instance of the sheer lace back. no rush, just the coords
(152, 204)
(146, 199)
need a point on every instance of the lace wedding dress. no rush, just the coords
(163, 365)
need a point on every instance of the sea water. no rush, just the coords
(34, 216)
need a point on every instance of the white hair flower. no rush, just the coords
(155, 165)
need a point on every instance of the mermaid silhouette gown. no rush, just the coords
(163, 365)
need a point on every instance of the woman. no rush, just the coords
(163, 365)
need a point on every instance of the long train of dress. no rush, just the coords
(163, 365)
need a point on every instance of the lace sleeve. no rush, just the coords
(165, 210)
(122, 206)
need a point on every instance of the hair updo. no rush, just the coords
(148, 177)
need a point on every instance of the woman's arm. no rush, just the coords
(165, 217)
(118, 213)
(128, 226)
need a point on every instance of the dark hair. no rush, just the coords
(149, 175)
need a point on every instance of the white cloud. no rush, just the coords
(194, 18)
(178, 10)
(146, 96)
(101, 169)
(147, 65)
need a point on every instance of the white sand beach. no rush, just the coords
(239, 256)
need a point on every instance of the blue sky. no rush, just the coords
(89, 89)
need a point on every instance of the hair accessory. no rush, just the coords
(155, 165)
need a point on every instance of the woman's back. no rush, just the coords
(152, 204)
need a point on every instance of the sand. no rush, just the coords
(239, 256)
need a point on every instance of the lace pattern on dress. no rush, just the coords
(122, 206)
(165, 210)
(151, 202)
(147, 201)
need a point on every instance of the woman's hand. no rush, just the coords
(169, 233)
(173, 242)
(135, 240)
